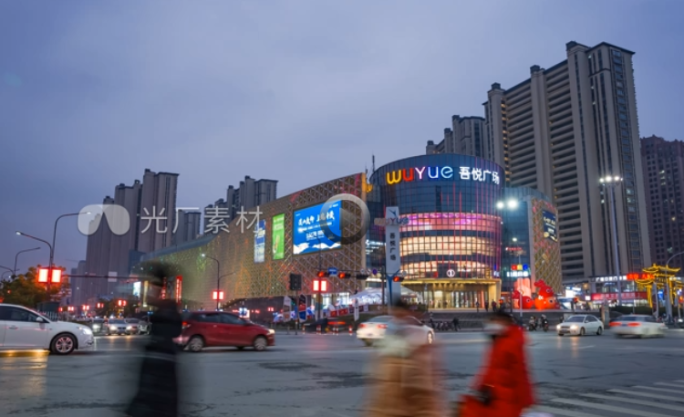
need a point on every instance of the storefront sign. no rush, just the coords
(441, 173)
(614, 296)
(392, 250)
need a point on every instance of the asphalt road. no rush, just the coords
(315, 375)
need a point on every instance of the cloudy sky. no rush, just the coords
(94, 92)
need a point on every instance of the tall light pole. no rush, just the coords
(54, 237)
(49, 246)
(218, 278)
(612, 182)
(668, 306)
(16, 259)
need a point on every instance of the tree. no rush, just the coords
(27, 291)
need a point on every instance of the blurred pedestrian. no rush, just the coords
(457, 324)
(486, 304)
(404, 379)
(157, 394)
(503, 387)
(477, 306)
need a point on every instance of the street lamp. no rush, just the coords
(612, 182)
(38, 239)
(218, 278)
(16, 258)
(54, 236)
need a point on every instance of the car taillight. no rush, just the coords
(361, 326)
(615, 323)
(634, 324)
(382, 326)
(185, 325)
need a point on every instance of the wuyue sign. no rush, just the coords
(435, 173)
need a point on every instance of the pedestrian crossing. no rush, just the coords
(661, 399)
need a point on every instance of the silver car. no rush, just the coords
(132, 326)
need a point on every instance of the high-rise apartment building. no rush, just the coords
(466, 136)
(559, 132)
(663, 171)
(249, 194)
(158, 210)
(151, 208)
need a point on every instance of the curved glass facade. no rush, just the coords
(453, 228)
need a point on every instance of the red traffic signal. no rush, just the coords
(217, 295)
(323, 274)
(54, 276)
(121, 303)
(320, 285)
(342, 275)
(398, 279)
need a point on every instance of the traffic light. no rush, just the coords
(398, 279)
(44, 274)
(323, 274)
(217, 295)
(121, 303)
(362, 276)
(295, 282)
(342, 275)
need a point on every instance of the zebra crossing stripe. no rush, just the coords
(649, 395)
(663, 390)
(562, 412)
(622, 410)
(634, 401)
(666, 384)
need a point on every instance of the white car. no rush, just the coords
(375, 328)
(22, 328)
(580, 325)
(637, 325)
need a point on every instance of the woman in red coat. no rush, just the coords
(503, 388)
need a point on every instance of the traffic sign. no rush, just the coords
(451, 273)
(332, 271)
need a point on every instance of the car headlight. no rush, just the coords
(129, 327)
(558, 327)
(271, 331)
(573, 327)
(86, 331)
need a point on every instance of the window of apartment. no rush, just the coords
(618, 68)
(620, 92)
(615, 53)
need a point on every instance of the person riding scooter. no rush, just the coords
(532, 325)
(544, 323)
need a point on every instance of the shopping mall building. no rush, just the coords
(451, 239)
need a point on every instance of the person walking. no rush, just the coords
(477, 306)
(486, 304)
(157, 394)
(457, 325)
(404, 379)
(503, 387)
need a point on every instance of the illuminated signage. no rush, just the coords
(550, 231)
(260, 242)
(519, 271)
(307, 234)
(441, 173)
(278, 236)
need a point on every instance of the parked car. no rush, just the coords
(22, 328)
(580, 325)
(637, 325)
(374, 329)
(217, 329)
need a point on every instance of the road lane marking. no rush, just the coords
(640, 413)
(562, 412)
(667, 384)
(633, 401)
(658, 389)
(586, 347)
(649, 395)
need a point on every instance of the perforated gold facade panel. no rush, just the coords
(241, 277)
(546, 251)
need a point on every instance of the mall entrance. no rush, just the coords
(445, 294)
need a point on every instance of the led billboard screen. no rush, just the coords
(550, 231)
(308, 236)
(260, 241)
(278, 236)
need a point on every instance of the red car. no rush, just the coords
(217, 329)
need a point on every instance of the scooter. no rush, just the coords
(532, 327)
(545, 325)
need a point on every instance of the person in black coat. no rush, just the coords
(157, 394)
